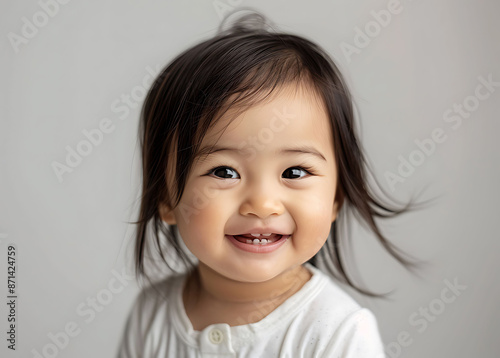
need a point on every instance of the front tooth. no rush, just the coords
(255, 235)
(266, 234)
(258, 242)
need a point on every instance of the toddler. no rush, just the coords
(249, 153)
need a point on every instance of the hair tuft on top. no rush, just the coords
(245, 20)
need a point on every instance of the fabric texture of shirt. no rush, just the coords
(319, 320)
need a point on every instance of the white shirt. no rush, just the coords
(319, 320)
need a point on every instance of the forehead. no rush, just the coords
(291, 115)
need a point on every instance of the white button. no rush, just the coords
(215, 336)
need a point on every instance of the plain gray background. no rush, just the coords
(72, 237)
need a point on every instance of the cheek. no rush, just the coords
(314, 229)
(196, 203)
(314, 219)
(202, 215)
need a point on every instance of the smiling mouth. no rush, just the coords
(258, 239)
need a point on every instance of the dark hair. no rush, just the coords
(248, 61)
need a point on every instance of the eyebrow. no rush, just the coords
(303, 149)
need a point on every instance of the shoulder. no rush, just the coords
(331, 298)
(321, 304)
(357, 336)
(149, 314)
(157, 296)
(343, 328)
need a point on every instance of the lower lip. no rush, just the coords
(258, 248)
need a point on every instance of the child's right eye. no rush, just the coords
(224, 172)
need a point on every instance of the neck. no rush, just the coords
(212, 298)
(215, 287)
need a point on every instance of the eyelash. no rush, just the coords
(305, 168)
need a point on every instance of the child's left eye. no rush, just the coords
(295, 172)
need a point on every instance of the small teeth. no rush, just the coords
(257, 241)
(258, 235)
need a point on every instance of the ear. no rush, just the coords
(337, 204)
(166, 214)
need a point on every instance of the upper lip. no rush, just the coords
(265, 230)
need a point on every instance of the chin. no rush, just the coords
(254, 277)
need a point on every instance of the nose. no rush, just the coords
(261, 203)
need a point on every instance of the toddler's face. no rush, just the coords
(261, 186)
